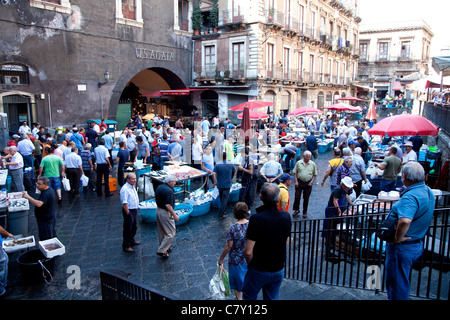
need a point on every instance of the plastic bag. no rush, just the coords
(84, 180)
(219, 285)
(66, 184)
(366, 186)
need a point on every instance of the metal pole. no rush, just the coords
(50, 110)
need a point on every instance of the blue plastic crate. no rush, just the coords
(201, 209)
(185, 217)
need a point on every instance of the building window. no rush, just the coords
(129, 12)
(383, 51)
(13, 74)
(238, 59)
(270, 59)
(183, 15)
(287, 63)
(405, 50)
(62, 6)
(363, 51)
(209, 61)
(300, 66)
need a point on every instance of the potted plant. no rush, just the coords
(197, 19)
(271, 14)
(214, 16)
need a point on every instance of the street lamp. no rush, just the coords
(107, 77)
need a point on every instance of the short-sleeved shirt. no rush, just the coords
(271, 169)
(164, 195)
(208, 159)
(51, 164)
(416, 202)
(270, 229)
(108, 141)
(393, 165)
(47, 211)
(357, 167)
(305, 172)
(237, 234)
(129, 196)
(224, 174)
(143, 147)
(124, 156)
(337, 193)
(284, 196)
(335, 163)
(101, 153)
(72, 160)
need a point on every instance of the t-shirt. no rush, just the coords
(143, 147)
(208, 159)
(124, 156)
(237, 234)
(47, 211)
(284, 196)
(393, 164)
(338, 193)
(51, 165)
(270, 229)
(108, 141)
(164, 195)
(224, 173)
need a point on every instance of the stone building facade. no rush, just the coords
(63, 62)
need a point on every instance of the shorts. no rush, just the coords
(55, 183)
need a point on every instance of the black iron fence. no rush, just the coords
(115, 287)
(438, 114)
(344, 251)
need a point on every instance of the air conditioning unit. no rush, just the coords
(12, 80)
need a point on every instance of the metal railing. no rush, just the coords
(344, 251)
(438, 114)
(115, 287)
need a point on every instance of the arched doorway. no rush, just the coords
(320, 100)
(20, 107)
(271, 97)
(285, 102)
(149, 82)
(210, 103)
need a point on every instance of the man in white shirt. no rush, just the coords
(197, 152)
(130, 206)
(24, 128)
(410, 154)
(15, 164)
(26, 148)
(74, 171)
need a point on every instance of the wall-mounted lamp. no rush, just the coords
(106, 75)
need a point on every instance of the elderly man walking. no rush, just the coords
(305, 172)
(15, 166)
(413, 212)
(74, 171)
(165, 215)
(130, 205)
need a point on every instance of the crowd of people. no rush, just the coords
(220, 149)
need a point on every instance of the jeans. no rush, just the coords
(399, 260)
(3, 270)
(223, 194)
(256, 280)
(387, 185)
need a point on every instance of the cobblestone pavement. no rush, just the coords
(91, 230)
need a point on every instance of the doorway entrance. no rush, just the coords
(19, 109)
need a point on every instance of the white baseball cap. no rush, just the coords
(347, 181)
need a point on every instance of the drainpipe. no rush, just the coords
(50, 111)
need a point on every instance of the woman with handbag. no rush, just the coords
(234, 248)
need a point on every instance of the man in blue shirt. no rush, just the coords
(414, 212)
(77, 138)
(109, 144)
(222, 175)
(311, 145)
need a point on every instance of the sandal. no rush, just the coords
(296, 213)
(164, 255)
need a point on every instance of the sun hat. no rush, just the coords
(347, 181)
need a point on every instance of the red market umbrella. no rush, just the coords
(254, 115)
(252, 104)
(372, 113)
(246, 125)
(305, 111)
(404, 125)
(350, 99)
(343, 107)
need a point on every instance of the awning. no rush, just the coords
(174, 92)
(441, 64)
(397, 85)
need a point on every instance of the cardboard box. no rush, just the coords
(52, 247)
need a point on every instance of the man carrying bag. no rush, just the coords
(404, 229)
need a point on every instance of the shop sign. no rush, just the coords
(142, 53)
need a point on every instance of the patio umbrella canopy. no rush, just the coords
(343, 107)
(252, 104)
(254, 115)
(305, 111)
(404, 125)
(372, 113)
(350, 99)
(246, 125)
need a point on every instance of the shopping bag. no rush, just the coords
(366, 186)
(84, 180)
(219, 285)
(216, 202)
(66, 184)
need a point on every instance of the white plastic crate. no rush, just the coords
(20, 244)
(52, 247)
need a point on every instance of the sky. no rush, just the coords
(434, 12)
